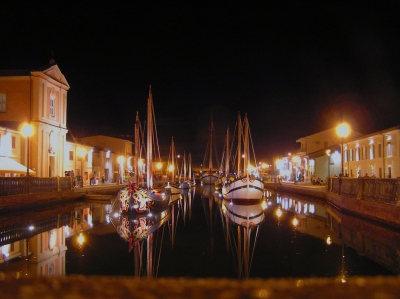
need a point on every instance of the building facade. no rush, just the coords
(37, 97)
(325, 154)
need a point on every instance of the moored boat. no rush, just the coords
(137, 197)
(244, 186)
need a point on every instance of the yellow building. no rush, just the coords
(37, 97)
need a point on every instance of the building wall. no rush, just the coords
(374, 152)
(17, 90)
(29, 97)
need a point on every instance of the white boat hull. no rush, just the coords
(209, 178)
(244, 215)
(243, 189)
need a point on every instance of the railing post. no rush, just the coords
(58, 184)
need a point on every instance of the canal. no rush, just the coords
(198, 235)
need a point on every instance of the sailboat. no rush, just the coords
(191, 178)
(209, 177)
(245, 185)
(177, 178)
(144, 236)
(246, 220)
(137, 197)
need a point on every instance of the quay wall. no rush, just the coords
(24, 192)
(375, 199)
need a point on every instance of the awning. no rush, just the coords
(8, 165)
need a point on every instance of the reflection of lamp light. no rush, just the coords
(27, 131)
(81, 239)
(343, 131)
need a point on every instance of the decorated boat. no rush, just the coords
(244, 185)
(141, 231)
(140, 195)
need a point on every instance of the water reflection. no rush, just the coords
(283, 236)
(241, 225)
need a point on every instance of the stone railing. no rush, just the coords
(379, 190)
(28, 185)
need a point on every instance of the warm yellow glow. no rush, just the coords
(121, 159)
(81, 239)
(279, 212)
(27, 130)
(171, 168)
(81, 152)
(343, 130)
(328, 152)
(264, 205)
(328, 240)
(264, 165)
(295, 221)
(159, 165)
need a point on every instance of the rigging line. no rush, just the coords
(254, 246)
(206, 153)
(159, 253)
(155, 136)
(252, 147)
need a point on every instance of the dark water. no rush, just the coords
(200, 247)
(195, 237)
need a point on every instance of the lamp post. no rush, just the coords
(343, 131)
(27, 131)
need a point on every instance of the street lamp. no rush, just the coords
(343, 131)
(27, 131)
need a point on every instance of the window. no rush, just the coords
(3, 102)
(13, 142)
(357, 154)
(372, 151)
(389, 149)
(71, 155)
(379, 150)
(51, 105)
(351, 155)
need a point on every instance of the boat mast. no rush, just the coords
(137, 148)
(246, 149)
(239, 150)
(150, 140)
(184, 166)
(190, 167)
(227, 157)
(210, 165)
(173, 160)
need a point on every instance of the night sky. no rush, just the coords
(295, 67)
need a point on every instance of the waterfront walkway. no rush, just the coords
(301, 188)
